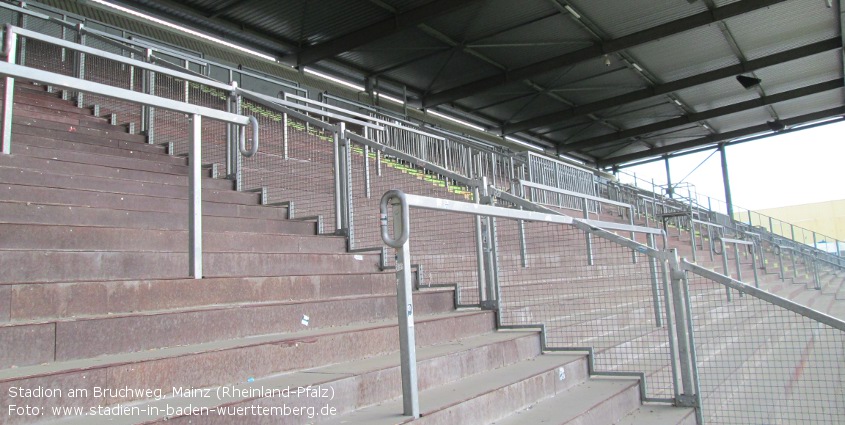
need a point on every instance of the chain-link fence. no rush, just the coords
(763, 363)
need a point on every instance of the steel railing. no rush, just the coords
(11, 71)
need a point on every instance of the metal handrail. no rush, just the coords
(764, 295)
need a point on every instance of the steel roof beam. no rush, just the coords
(684, 83)
(598, 50)
(720, 137)
(381, 29)
(703, 115)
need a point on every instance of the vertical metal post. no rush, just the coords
(771, 227)
(725, 265)
(231, 134)
(682, 327)
(633, 234)
(738, 264)
(794, 269)
(148, 112)
(187, 84)
(80, 63)
(710, 243)
(195, 198)
(9, 91)
(346, 178)
(816, 273)
(692, 239)
(587, 235)
(780, 262)
(727, 183)
(479, 250)
(754, 266)
(338, 210)
(405, 311)
(655, 286)
(23, 24)
(669, 190)
(367, 170)
(493, 292)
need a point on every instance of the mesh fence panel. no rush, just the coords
(609, 305)
(443, 243)
(297, 168)
(763, 364)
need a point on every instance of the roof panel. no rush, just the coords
(619, 18)
(816, 102)
(719, 93)
(397, 49)
(784, 26)
(551, 36)
(792, 75)
(741, 120)
(671, 58)
(486, 18)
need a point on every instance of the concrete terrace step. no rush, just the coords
(363, 383)
(126, 202)
(63, 266)
(33, 213)
(42, 301)
(83, 186)
(483, 398)
(113, 137)
(79, 120)
(235, 360)
(653, 414)
(599, 400)
(14, 237)
(85, 337)
(62, 155)
(94, 170)
(83, 143)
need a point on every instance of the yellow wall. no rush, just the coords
(825, 218)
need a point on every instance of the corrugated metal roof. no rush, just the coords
(620, 18)
(784, 26)
(671, 58)
(501, 30)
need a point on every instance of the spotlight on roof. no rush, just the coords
(776, 125)
(748, 82)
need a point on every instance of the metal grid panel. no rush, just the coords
(608, 305)
(671, 58)
(622, 18)
(294, 164)
(760, 363)
(442, 244)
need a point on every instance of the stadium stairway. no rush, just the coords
(98, 321)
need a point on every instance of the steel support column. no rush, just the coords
(727, 182)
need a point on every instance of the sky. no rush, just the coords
(789, 169)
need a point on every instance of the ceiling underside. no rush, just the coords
(606, 81)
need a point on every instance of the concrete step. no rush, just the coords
(69, 119)
(93, 170)
(114, 137)
(33, 213)
(85, 337)
(62, 155)
(651, 414)
(63, 266)
(600, 400)
(84, 187)
(483, 398)
(62, 300)
(57, 140)
(234, 361)
(126, 202)
(15, 237)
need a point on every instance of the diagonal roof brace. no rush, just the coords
(598, 50)
(684, 83)
(379, 30)
(716, 138)
(703, 115)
